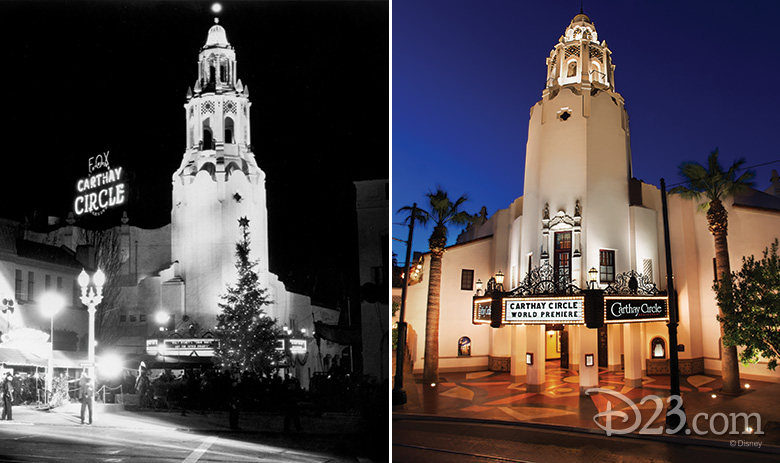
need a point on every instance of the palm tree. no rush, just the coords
(715, 185)
(442, 212)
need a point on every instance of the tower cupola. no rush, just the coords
(579, 57)
(216, 63)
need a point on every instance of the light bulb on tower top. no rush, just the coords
(216, 8)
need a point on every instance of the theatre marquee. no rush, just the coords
(632, 309)
(566, 310)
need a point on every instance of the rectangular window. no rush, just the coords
(59, 284)
(122, 318)
(142, 318)
(607, 266)
(47, 282)
(467, 280)
(18, 286)
(132, 318)
(30, 286)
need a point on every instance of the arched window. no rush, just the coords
(228, 130)
(572, 69)
(464, 347)
(658, 348)
(208, 138)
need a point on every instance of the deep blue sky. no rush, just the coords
(694, 75)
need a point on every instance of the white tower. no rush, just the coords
(578, 161)
(578, 166)
(217, 183)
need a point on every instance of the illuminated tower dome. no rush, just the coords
(217, 183)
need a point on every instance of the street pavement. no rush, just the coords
(493, 398)
(118, 435)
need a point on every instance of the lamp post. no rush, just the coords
(479, 287)
(8, 306)
(51, 303)
(91, 296)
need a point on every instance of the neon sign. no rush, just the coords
(102, 189)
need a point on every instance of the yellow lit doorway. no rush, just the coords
(553, 344)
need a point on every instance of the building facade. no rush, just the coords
(181, 269)
(581, 210)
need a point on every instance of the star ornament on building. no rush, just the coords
(243, 222)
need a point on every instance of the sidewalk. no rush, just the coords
(114, 416)
(492, 396)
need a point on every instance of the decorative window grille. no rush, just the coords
(573, 50)
(229, 107)
(207, 107)
(596, 53)
(647, 269)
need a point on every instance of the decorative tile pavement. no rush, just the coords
(493, 395)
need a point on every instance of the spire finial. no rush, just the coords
(216, 20)
(581, 10)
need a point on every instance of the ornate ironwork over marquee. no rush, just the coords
(543, 280)
(632, 283)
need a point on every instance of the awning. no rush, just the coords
(338, 334)
(21, 358)
(167, 361)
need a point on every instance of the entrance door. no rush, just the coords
(563, 259)
(603, 340)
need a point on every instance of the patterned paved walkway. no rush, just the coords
(493, 396)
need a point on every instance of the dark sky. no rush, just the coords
(695, 75)
(82, 78)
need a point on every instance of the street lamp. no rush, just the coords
(91, 296)
(51, 303)
(479, 287)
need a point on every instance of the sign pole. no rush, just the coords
(672, 419)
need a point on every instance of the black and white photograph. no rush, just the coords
(194, 236)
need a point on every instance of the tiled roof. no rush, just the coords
(46, 253)
(757, 200)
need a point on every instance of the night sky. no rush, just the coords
(82, 78)
(694, 75)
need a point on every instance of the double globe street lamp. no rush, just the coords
(91, 296)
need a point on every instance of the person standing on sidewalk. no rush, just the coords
(291, 392)
(8, 396)
(86, 393)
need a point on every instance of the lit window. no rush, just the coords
(658, 348)
(464, 347)
(607, 266)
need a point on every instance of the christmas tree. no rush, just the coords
(247, 335)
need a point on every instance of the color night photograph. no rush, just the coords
(194, 236)
(585, 219)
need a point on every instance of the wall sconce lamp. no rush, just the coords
(588, 360)
(529, 358)
(479, 287)
(500, 280)
(592, 276)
